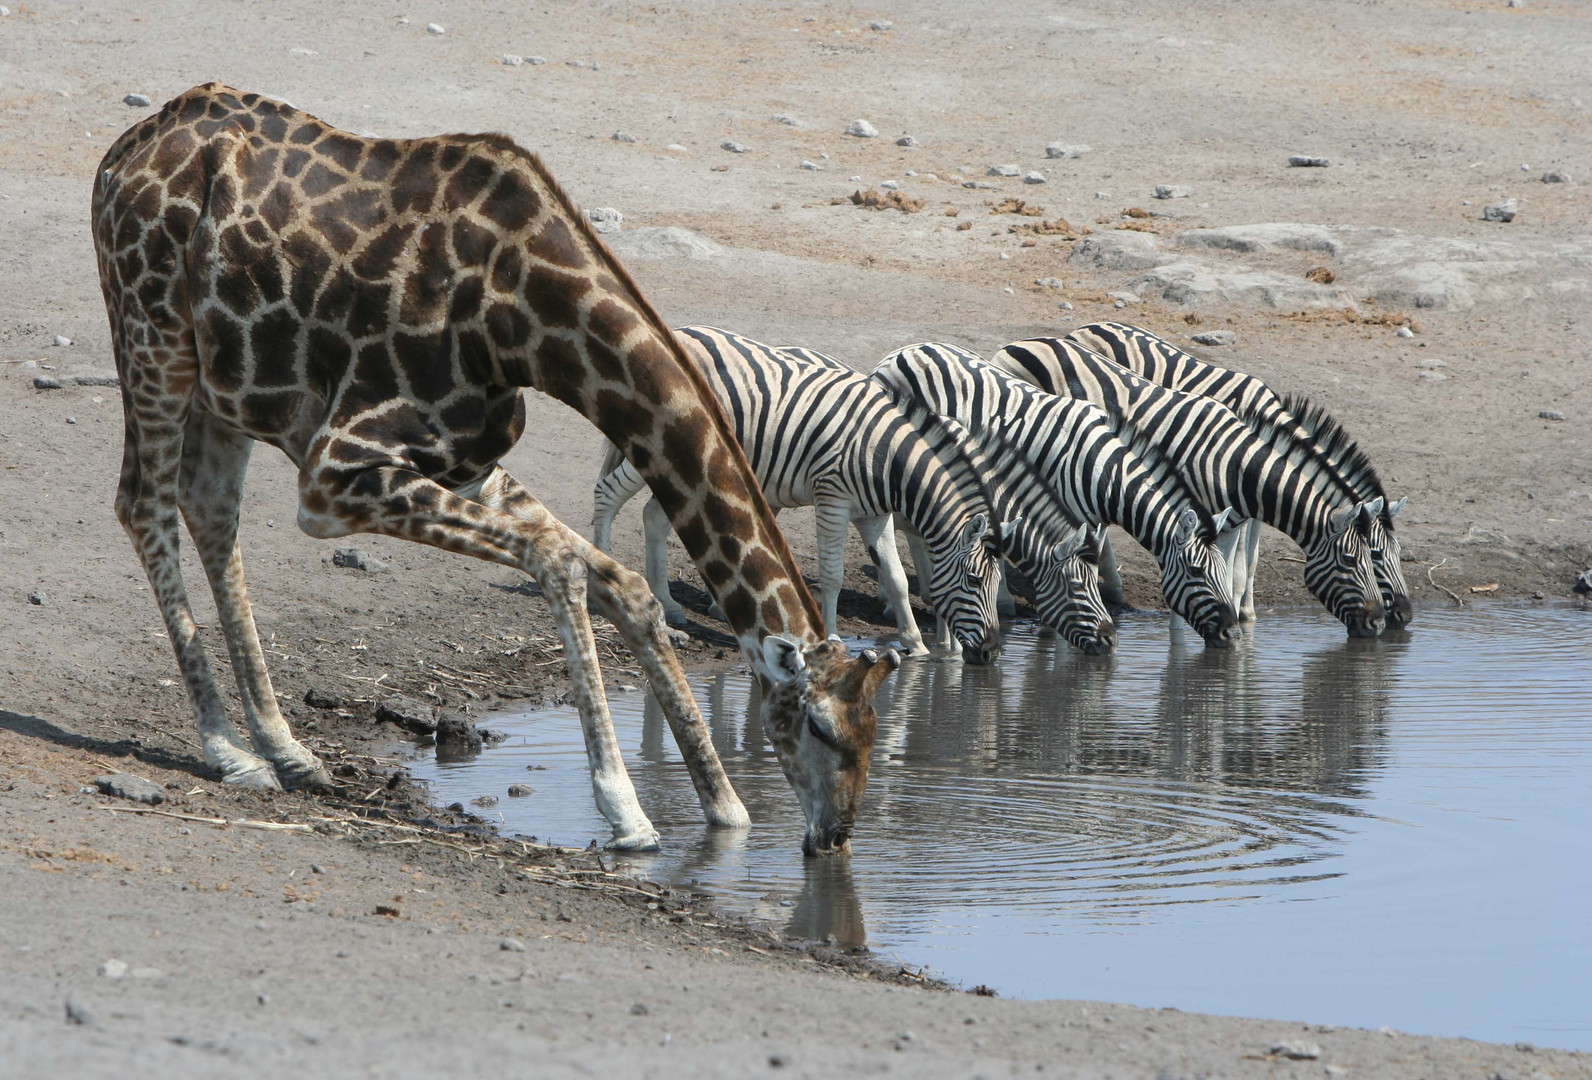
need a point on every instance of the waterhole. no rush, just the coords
(1394, 832)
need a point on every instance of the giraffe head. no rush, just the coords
(818, 712)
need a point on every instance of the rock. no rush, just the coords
(786, 119)
(435, 28)
(355, 559)
(669, 241)
(45, 382)
(978, 185)
(906, 140)
(1551, 414)
(1124, 297)
(639, 1009)
(493, 736)
(676, 148)
(622, 136)
(1065, 150)
(1172, 191)
(97, 377)
(1003, 170)
(1500, 211)
(113, 969)
(1555, 178)
(511, 944)
(1119, 249)
(76, 1011)
(37, 597)
(1065, 305)
(889, 185)
(1215, 337)
(1297, 1051)
(71, 419)
(778, 1061)
(456, 736)
(1431, 376)
(321, 699)
(862, 129)
(409, 715)
(132, 788)
(1050, 283)
(1431, 364)
(1405, 332)
(1033, 178)
(138, 101)
(1194, 283)
(61, 341)
(1269, 236)
(520, 791)
(605, 219)
(1304, 161)
(511, 60)
(536, 61)
(880, 25)
(810, 166)
(734, 147)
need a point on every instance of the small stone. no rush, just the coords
(778, 1061)
(520, 791)
(4, 11)
(1501, 211)
(639, 1009)
(113, 969)
(1335, 1070)
(676, 148)
(1297, 1051)
(130, 787)
(810, 166)
(61, 341)
(1550, 414)
(536, 61)
(1172, 191)
(786, 119)
(1304, 161)
(889, 185)
(1431, 363)
(138, 101)
(1431, 376)
(605, 219)
(978, 185)
(511, 60)
(71, 419)
(862, 129)
(435, 28)
(1033, 178)
(1003, 170)
(906, 140)
(1583, 583)
(44, 382)
(97, 378)
(734, 147)
(354, 559)
(322, 699)
(457, 735)
(1555, 178)
(622, 136)
(1063, 150)
(1006, 255)
(1215, 337)
(1050, 283)
(317, 868)
(409, 715)
(1009, 291)
(511, 944)
(1065, 305)
(880, 25)
(37, 597)
(1124, 297)
(76, 1011)
(1405, 332)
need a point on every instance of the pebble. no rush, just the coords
(435, 28)
(37, 598)
(1050, 283)
(880, 25)
(639, 1009)
(1405, 332)
(978, 185)
(76, 1011)
(355, 559)
(1003, 170)
(511, 60)
(455, 734)
(1297, 1051)
(1501, 211)
(1550, 414)
(1065, 305)
(113, 969)
(906, 140)
(622, 136)
(321, 699)
(889, 185)
(511, 944)
(1583, 583)
(1335, 1070)
(4, 11)
(132, 788)
(1034, 178)
(734, 147)
(61, 340)
(605, 219)
(810, 166)
(44, 382)
(1431, 376)
(519, 791)
(71, 419)
(536, 61)
(862, 129)
(1063, 150)
(1305, 161)
(1009, 291)
(1555, 178)
(1172, 191)
(1215, 337)
(676, 148)
(1431, 363)
(1006, 255)
(410, 715)
(147, 973)
(138, 101)
(778, 1061)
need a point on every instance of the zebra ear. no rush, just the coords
(783, 659)
(1188, 523)
(1009, 528)
(1223, 518)
(1393, 508)
(1374, 507)
(975, 529)
(1070, 545)
(1340, 520)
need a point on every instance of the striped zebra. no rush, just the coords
(1277, 480)
(1101, 470)
(1265, 411)
(818, 433)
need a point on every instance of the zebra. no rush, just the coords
(1275, 479)
(1265, 411)
(1102, 470)
(818, 433)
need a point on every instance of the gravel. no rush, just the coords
(1172, 191)
(355, 559)
(605, 219)
(1065, 150)
(862, 129)
(1305, 161)
(130, 787)
(1500, 211)
(734, 147)
(1215, 337)
(138, 101)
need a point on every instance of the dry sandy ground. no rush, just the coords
(1428, 109)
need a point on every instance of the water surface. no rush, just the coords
(1385, 832)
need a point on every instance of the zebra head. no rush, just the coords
(819, 716)
(1065, 577)
(1197, 580)
(1387, 558)
(964, 579)
(1339, 573)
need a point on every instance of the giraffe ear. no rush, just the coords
(783, 659)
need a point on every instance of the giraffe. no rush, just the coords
(373, 308)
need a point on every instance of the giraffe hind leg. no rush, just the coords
(215, 459)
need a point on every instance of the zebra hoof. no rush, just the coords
(675, 618)
(715, 612)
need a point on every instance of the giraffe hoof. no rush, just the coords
(308, 776)
(641, 840)
(260, 776)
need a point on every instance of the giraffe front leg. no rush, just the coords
(879, 535)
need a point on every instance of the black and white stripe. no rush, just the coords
(1100, 470)
(1277, 479)
(817, 433)
(1266, 411)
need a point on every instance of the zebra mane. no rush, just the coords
(1334, 443)
(1164, 469)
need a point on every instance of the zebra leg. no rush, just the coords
(1005, 606)
(879, 535)
(924, 566)
(1110, 576)
(656, 524)
(834, 515)
(1246, 601)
